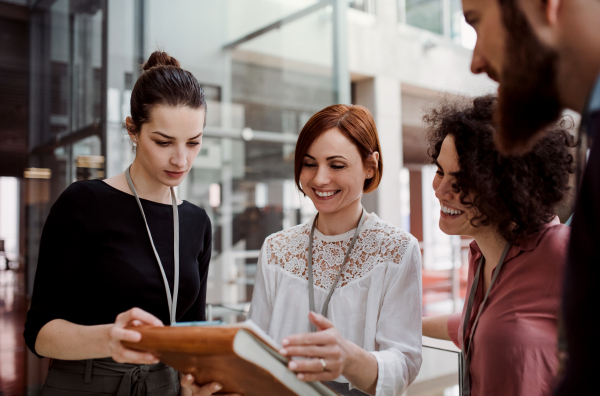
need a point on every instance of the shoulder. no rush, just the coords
(195, 215)
(194, 210)
(285, 246)
(79, 194)
(554, 241)
(289, 234)
(391, 242)
(388, 233)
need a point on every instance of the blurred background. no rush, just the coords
(67, 68)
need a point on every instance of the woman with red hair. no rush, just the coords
(345, 288)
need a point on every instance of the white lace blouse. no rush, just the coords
(376, 304)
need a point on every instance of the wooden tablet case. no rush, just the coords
(208, 354)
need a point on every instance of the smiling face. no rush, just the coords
(454, 216)
(333, 174)
(168, 144)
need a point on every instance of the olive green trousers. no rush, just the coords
(107, 377)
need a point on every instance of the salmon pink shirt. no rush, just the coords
(515, 343)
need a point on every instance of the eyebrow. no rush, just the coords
(438, 164)
(328, 158)
(468, 14)
(172, 138)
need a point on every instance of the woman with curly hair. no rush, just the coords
(508, 328)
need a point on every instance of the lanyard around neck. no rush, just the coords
(171, 300)
(466, 389)
(311, 289)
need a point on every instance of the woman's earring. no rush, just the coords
(135, 143)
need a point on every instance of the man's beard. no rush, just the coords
(527, 97)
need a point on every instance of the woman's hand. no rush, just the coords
(189, 387)
(330, 352)
(118, 333)
(332, 355)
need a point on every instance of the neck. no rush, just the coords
(581, 56)
(148, 187)
(341, 221)
(491, 245)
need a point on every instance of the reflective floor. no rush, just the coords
(21, 373)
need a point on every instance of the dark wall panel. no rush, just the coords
(14, 96)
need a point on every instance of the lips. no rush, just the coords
(175, 175)
(447, 212)
(326, 194)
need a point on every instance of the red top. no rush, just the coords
(514, 347)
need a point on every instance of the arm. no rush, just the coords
(436, 327)
(60, 339)
(399, 323)
(261, 308)
(62, 275)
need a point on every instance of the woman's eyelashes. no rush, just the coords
(163, 143)
(332, 166)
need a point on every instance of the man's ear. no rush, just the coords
(551, 8)
(541, 11)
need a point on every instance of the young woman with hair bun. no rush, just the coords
(347, 275)
(126, 248)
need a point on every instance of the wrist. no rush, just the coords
(355, 355)
(361, 368)
(102, 345)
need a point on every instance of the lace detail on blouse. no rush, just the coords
(378, 242)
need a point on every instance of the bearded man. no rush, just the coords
(545, 55)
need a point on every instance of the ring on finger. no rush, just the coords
(324, 364)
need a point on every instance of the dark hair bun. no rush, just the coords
(160, 58)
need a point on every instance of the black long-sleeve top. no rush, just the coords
(96, 259)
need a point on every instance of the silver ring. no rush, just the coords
(324, 364)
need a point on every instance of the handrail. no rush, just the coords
(442, 345)
(447, 346)
(277, 24)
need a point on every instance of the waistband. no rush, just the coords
(134, 375)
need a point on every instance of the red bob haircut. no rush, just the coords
(354, 122)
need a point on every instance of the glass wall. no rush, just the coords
(425, 14)
(66, 106)
(443, 17)
(260, 92)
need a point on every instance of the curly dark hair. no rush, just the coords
(516, 194)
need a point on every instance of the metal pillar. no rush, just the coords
(341, 71)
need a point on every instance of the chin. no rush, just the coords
(447, 230)
(170, 182)
(325, 207)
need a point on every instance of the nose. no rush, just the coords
(478, 62)
(443, 190)
(322, 177)
(178, 158)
